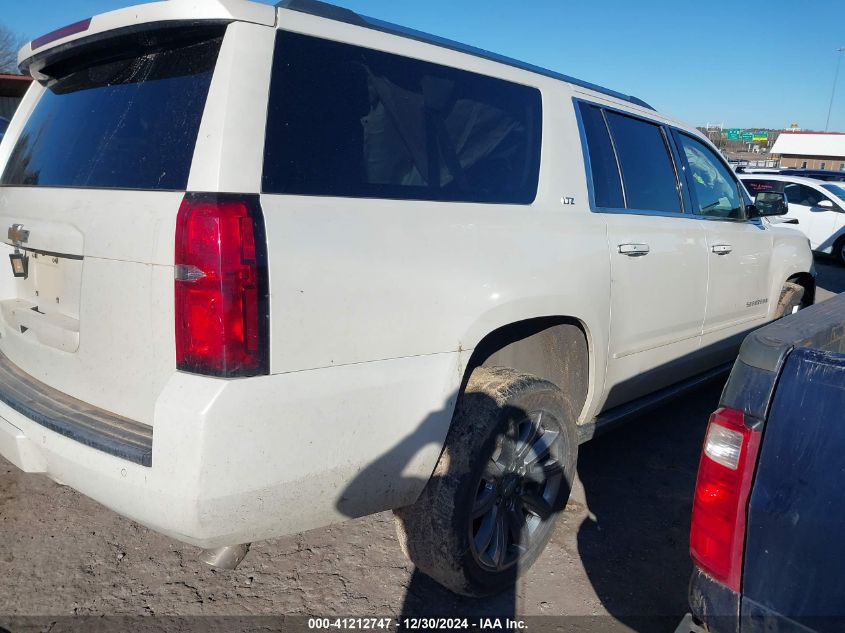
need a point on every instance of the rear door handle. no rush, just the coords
(721, 249)
(633, 250)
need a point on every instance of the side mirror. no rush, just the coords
(824, 204)
(769, 203)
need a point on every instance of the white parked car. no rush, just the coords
(274, 267)
(817, 205)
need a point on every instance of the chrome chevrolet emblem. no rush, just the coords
(18, 234)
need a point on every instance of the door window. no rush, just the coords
(648, 173)
(604, 171)
(836, 190)
(802, 194)
(716, 191)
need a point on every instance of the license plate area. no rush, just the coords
(55, 284)
(46, 305)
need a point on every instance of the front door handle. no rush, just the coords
(721, 249)
(633, 250)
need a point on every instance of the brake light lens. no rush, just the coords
(725, 474)
(65, 31)
(222, 317)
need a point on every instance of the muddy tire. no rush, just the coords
(791, 297)
(503, 477)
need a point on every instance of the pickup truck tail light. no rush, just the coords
(221, 290)
(725, 475)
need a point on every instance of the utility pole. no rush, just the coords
(833, 92)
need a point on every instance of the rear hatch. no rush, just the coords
(97, 165)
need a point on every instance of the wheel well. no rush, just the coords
(807, 281)
(551, 348)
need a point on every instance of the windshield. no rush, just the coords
(836, 190)
(128, 123)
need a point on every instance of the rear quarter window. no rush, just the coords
(128, 123)
(353, 122)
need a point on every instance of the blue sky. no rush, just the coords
(761, 63)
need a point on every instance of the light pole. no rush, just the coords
(833, 92)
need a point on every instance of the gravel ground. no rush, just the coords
(619, 549)
(620, 552)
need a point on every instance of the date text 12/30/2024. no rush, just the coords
(416, 624)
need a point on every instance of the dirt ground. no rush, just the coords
(618, 557)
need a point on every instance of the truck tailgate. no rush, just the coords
(794, 547)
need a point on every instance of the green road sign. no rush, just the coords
(762, 135)
(733, 134)
(747, 136)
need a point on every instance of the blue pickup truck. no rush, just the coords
(768, 526)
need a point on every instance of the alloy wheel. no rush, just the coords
(517, 492)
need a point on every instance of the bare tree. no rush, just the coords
(10, 44)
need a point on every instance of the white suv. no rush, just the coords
(816, 206)
(273, 267)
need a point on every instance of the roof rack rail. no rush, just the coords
(340, 14)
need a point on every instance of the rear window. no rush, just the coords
(354, 122)
(756, 186)
(121, 124)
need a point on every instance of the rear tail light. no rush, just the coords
(725, 474)
(222, 317)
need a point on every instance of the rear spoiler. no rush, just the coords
(45, 50)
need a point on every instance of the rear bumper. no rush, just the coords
(73, 418)
(713, 604)
(235, 461)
